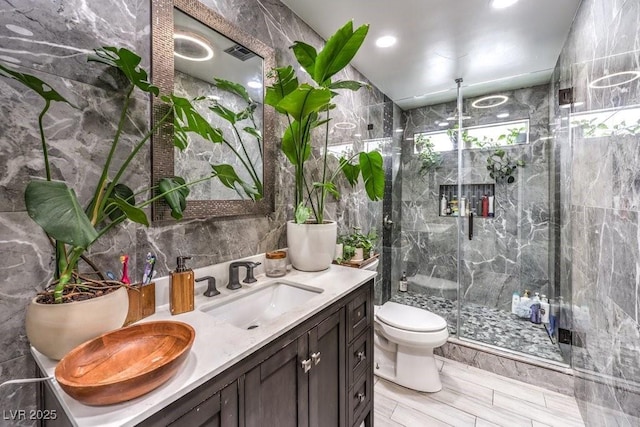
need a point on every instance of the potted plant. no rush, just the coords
(356, 246)
(500, 164)
(70, 310)
(311, 239)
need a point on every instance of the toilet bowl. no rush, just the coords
(404, 339)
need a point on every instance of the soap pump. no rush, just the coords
(181, 287)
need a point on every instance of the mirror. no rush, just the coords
(194, 50)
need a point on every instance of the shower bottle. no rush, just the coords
(403, 285)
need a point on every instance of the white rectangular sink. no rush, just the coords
(258, 306)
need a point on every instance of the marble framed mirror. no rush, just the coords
(191, 46)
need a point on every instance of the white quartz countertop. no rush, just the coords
(217, 345)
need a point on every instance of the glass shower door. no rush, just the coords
(505, 227)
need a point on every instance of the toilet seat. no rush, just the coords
(409, 318)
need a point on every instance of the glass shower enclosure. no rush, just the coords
(477, 198)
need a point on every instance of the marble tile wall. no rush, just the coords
(52, 40)
(599, 199)
(509, 252)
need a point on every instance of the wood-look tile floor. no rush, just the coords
(471, 397)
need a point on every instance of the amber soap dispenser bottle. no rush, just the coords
(181, 288)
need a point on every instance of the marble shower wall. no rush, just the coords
(52, 40)
(509, 252)
(600, 207)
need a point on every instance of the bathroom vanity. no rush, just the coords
(310, 366)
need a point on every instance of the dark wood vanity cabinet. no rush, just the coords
(303, 384)
(319, 374)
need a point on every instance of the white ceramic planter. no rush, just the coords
(55, 329)
(359, 256)
(311, 246)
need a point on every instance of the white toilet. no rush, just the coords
(404, 340)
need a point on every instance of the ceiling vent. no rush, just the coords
(240, 52)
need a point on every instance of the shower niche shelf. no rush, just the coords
(471, 192)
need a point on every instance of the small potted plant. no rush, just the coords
(70, 310)
(356, 246)
(311, 239)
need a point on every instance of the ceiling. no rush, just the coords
(441, 40)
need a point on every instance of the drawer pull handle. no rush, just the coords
(361, 397)
(361, 356)
(315, 357)
(306, 365)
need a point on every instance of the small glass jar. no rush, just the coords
(275, 264)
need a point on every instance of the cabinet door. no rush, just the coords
(276, 391)
(327, 379)
(220, 410)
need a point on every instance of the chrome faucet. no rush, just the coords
(234, 281)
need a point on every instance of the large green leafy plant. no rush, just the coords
(73, 226)
(307, 107)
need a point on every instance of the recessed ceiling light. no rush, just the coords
(490, 101)
(357, 135)
(254, 84)
(399, 130)
(191, 47)
(443, 124)
(501, 4)
(615, 79)
(409, 139)
(502, 115)
(385, 41)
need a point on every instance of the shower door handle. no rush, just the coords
(470, 226)
(387, 222)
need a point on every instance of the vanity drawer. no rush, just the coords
(359, 314)
(360, 397)
(360, 356)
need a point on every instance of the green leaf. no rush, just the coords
(500, 153)
(225, 113)
(302, 213)
(124, 193)
(175, 194)
(127, 62)
(520, 163)
(372, 174)
(290, 144)
(229, 178)
(35, 84)
(55, 208)
(132, 213)
(349, 84)
(231, 87)
(330, 187)
(304, 101)
(187, 119)
(338, 51)
(285, 83)
(247, 112)
(351, 171)
(252, 131)
(306, 56)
